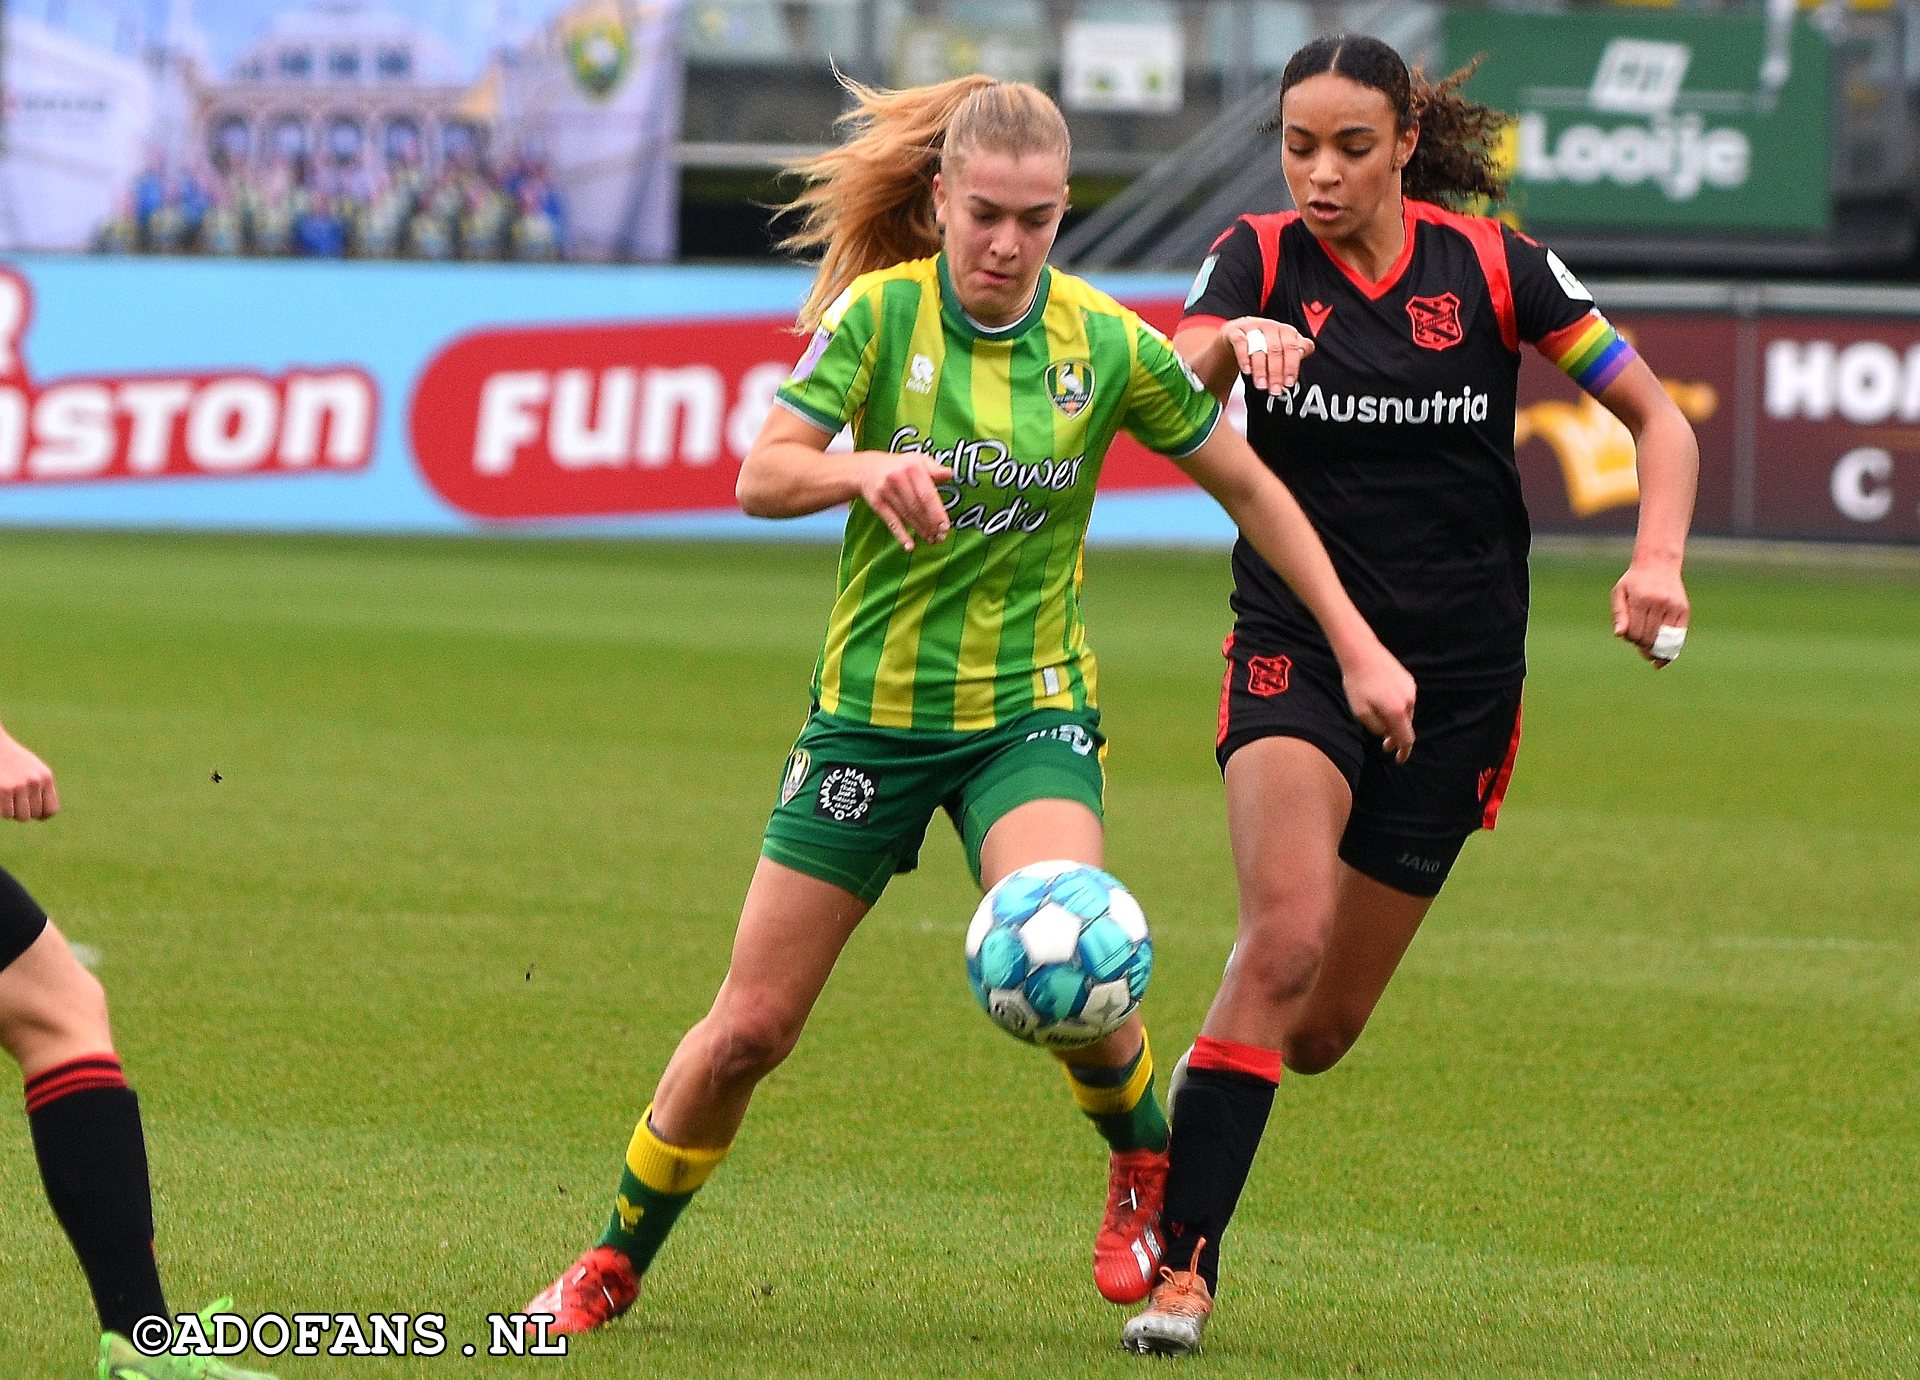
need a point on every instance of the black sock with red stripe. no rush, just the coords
(93, 1160)
(1218, 1119)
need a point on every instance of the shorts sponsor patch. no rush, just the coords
(1268, 675)
(799, 763)
(846, 794)
(1072, 735)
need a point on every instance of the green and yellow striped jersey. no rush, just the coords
(969, 632)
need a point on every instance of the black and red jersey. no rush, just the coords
(1398, 438)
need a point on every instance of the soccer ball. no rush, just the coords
(1058, 954)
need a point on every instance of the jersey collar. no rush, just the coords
(957, 317)
(1371, 290)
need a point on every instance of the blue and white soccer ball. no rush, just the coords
(1058, 954)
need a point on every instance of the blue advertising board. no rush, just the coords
(399, 397)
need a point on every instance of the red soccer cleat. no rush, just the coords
(1126, 1253)
(590, 1293)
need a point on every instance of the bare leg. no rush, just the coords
(1286, 809)
(792, 929)
(1373, 925)
(1112, 1079)
(52, 1010)
(1316, 946)
(87, 1136)
(1318, 942)
(1039, 831)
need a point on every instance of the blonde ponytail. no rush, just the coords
(868, 203)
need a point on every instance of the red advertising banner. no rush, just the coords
(82, 428)
(580, 421)
(572, 421)
(238, 395)
(1839, 428)
(1577, 459)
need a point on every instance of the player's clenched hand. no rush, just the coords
(900, 488)
(26, 783)
(1268, 352)
(1380, 693)
(1649, 597)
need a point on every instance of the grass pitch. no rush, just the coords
(393, 989)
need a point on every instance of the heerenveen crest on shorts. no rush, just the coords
(972, 631)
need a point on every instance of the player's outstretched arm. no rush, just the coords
(1266, 351)
(1651, 595)
(788, 472)
(26, 783)
(1379, 689)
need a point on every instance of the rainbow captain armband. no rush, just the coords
(1590, 352)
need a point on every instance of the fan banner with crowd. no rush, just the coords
(331, 129)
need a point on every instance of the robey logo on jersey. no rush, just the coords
(1437, 408)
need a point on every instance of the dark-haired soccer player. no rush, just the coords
(983, 390)
(85, 1120)
(1380, 336)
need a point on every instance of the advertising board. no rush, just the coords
(1655, 121)
(442, 398)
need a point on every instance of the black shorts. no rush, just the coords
(1409, 821)
(21, 919)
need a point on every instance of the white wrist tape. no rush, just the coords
(1256, 342)
(1667, 642)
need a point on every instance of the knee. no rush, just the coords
(748, 1040)
(1283, 941)
(86, 1005)
(61, 1014)
(1277, 970)
(1320, 1044)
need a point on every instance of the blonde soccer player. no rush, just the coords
(982, 388)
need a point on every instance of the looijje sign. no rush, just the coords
(1655, 121)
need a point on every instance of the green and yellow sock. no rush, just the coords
(656, 1184)
(1121, 1102)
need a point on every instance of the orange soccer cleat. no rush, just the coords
(1172, 1323)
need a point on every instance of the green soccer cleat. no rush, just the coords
(120, 1359)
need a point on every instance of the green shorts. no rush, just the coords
(855, 800)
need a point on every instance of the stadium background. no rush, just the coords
(405, 859)
(247, 194)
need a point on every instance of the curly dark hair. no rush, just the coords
(1454, 161)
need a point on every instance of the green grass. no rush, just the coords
(1641, 1102)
